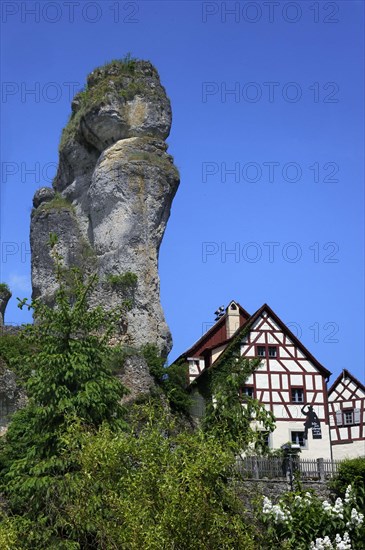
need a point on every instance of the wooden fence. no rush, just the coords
(257, 467)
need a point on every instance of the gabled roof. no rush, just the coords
(346, 374)
(251, 320)
(290, 335)
(212, 331)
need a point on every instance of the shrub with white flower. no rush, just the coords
(349, 495)
(356, 519)
(336, 510)
(277, 512)
(301, 521)
(326, 544)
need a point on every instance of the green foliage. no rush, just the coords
(14, 350)
(228, 415)
(350, 472)
(123, 281)
(299, 518)
(69, 381)
(4, 287)
(8, 534)
(172, 379)
(150, 487)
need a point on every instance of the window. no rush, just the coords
(267, 351)
(297, 395)
(297, 438)
(247, 390)
(347, 417)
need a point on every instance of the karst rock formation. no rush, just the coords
(111, 196)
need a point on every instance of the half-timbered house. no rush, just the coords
(346, 399)
(290, 381)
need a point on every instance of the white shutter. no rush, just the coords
(357, 416)
(339, 418)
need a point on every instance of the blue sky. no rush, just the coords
(268, 135)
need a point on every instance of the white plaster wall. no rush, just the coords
(216, 352)
(348, 450)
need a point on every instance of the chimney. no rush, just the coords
(232, 319)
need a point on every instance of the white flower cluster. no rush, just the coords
(326, 544)
(279, 513)
(349, 496)
(321, 544)
(336, 510)
(303, 501)
(356, 519)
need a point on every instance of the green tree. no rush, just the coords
(69, 379)
(152, 487)
(238, 420)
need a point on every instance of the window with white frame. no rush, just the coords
(297, 395)
(298, 438)
(347, 417)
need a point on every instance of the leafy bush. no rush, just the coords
(350, 472)
(148, 487)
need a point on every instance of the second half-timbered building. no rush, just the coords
(346, 399)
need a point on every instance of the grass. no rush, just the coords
(4, 287)
(151, 158)
(57, 203)
(123, 281)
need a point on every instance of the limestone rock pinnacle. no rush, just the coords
(112, 195)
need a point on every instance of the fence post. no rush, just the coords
(320, 467)
(256, 474)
